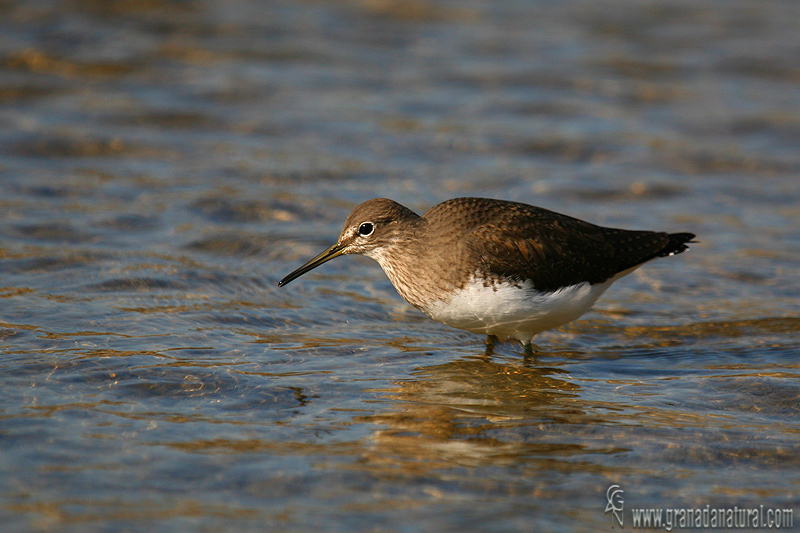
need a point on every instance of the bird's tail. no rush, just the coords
(678, 242)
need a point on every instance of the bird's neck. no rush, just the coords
(418, 269)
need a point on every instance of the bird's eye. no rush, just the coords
(366, 229)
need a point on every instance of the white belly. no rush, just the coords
(518, 311)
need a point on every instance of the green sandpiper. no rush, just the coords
(499, 268)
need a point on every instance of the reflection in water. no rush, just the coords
(481, 413)
(474, 412)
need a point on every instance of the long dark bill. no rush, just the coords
(334, 251)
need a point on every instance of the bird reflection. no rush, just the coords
(477, 411)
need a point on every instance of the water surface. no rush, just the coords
(164, 164)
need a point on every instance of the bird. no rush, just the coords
(499, 268)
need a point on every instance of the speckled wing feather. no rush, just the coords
(517, 241)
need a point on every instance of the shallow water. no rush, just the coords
(164, 164)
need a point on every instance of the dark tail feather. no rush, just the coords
(677, 244)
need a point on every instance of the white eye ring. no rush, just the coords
(366, 229)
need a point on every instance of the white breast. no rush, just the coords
(514, 310)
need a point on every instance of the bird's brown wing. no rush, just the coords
(524, 242)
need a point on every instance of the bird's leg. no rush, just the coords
(530, 354)
(491, 340)
(528, 346)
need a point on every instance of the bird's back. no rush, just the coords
(520, 242)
